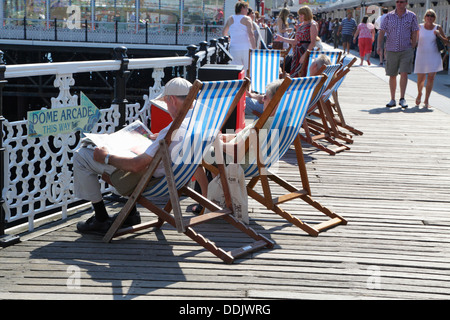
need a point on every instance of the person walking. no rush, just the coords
(305, 39)
(366, 33)
(428, 58)
(240, 29)
(347, 29)
(401, 29)
(283, 28)
(378, 26)
(336, 38)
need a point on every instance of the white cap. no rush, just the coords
(176, 87)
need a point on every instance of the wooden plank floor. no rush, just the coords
(392, 187)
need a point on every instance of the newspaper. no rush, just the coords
(130, 141)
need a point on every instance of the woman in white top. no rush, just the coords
(240, 29)
(428, 57)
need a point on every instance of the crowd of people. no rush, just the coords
(415, 50)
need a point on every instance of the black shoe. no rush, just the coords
(133, 218)
(93, 226)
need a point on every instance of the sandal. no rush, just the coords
(418, 102)
(418, 98)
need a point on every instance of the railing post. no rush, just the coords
(5, 240)
(146, 32)
(120, 83)
(117, 31)
(176, 33)
(191, 71)
(86, 30)
(56, 30)
(206, 31)
(24, 28)
(204, 47)
(213, 44)
(221, 54)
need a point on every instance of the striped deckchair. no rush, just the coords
(291, 102)
(340, 120)
(331, 109)
(213, 103)
(331, 128)
(334, 55)
(315, 131)
(264, 68)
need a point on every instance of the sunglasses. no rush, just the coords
(430, 15)
(400, 1)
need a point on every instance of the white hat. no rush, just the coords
(176, 87)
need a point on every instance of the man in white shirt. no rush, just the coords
(88, 163)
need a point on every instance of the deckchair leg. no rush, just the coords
(341, 120)
(294, 193)
(296, 222)
(335, 218)
(341, 147)
(228, 256)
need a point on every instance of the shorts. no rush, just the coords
(399, 62)
(365, 46)
(347, 38)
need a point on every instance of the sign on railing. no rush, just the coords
(56, 121)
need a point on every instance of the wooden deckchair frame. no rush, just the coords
(265, 176)
(327, 129)
(339, 117)
(185, 225)
(332, 116)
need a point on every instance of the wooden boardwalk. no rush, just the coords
(392, 187)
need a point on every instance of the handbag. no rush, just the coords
(440, 43)
(238, 192)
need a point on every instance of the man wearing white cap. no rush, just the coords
(89, 163)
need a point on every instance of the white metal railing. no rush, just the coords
(38, 171)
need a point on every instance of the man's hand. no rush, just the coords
(153, 136)
(100, 154)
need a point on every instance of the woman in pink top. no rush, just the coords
(366, 32)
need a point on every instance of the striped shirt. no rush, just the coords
(399, 29)
(348, 26)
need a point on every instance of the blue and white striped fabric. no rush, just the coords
(208, 115)
(345, 62)
(334, 56)
(286, 123)
(264, 68)
(329, 72)
(335, 86)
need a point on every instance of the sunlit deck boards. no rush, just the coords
(392, 187)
